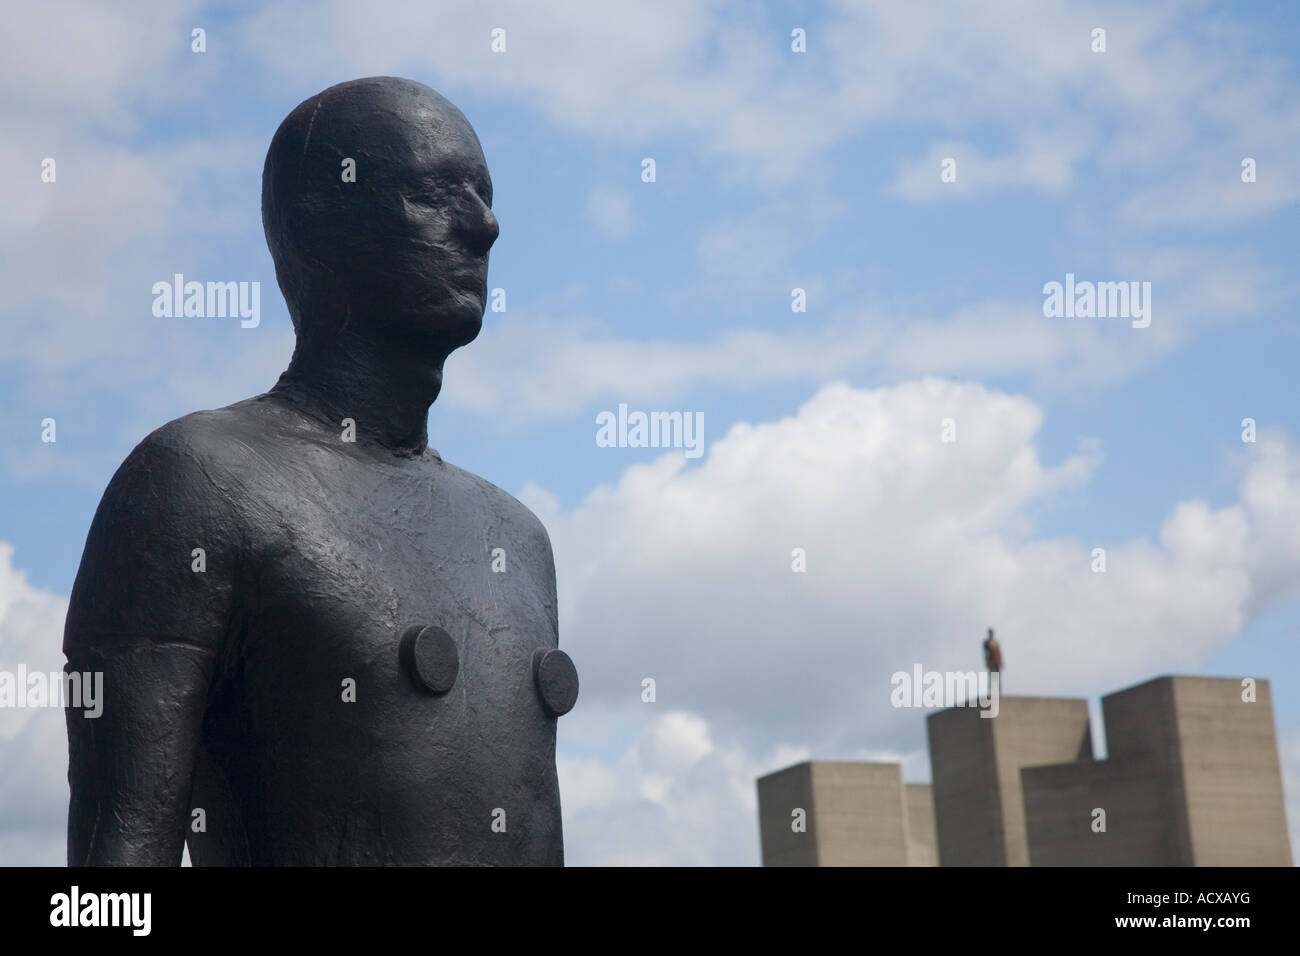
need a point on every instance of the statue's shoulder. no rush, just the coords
(198, 455)
(198, 438)
(503, 506)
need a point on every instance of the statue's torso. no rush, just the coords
(321, 747)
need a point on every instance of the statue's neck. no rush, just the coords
(387, 395)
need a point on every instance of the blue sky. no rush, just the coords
(775, 170)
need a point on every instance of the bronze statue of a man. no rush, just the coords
(992, 654)
(321, 643)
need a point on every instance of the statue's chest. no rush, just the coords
(354, 566)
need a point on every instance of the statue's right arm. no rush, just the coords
(144, 616)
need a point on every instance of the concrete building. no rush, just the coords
(922, 849)
(832, 813)
(1192, 778)
(976, 763)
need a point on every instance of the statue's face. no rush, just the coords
(402, 238)
(435, 267)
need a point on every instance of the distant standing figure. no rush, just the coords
(992, 654)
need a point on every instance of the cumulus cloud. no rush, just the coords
(33, 741)
(79, 255)
(673, 798)
(913, 546)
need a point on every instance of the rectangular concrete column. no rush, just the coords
(780, 796)
(1231, 775)
(1192, 778)
(1101, 813)
(1148, 819)
(976, 763)
(922, 850)
(854, 815)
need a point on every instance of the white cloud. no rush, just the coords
(913, 547)
(1289, 750)
(1214, 202)
(530, 366)
(33, 741)
(1045, 161)
(79, 256)
(79, 57)
(637, 72)
(672, 798)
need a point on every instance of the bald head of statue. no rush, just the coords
(376, 202)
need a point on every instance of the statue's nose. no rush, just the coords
(481, 230)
